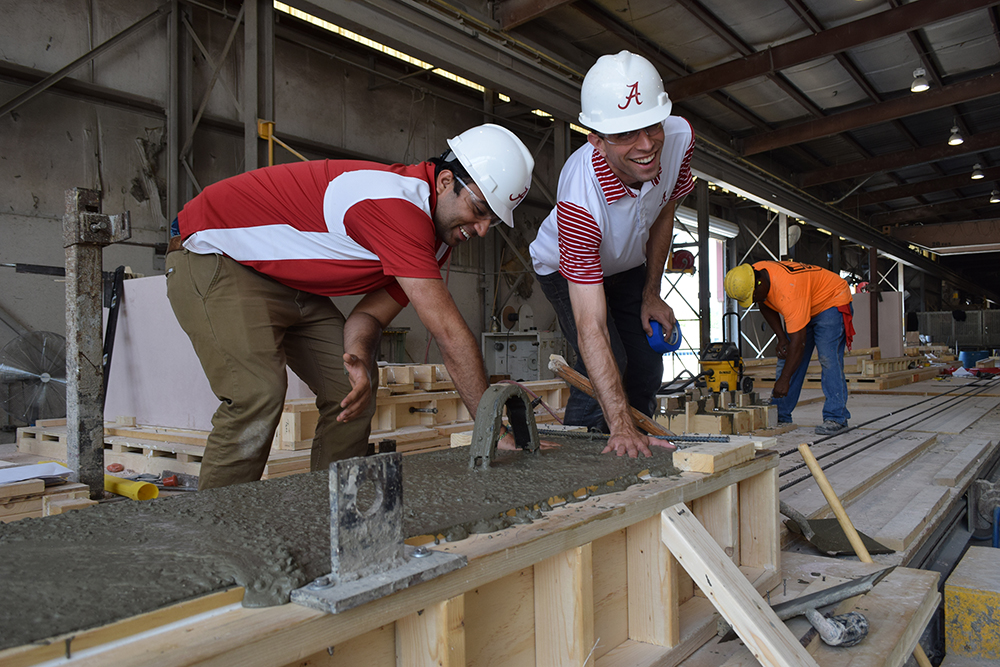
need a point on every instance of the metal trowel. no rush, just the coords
(827, 535)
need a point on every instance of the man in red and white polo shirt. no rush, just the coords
(600, 254)
(259, 255)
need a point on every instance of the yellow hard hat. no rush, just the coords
(740, 283)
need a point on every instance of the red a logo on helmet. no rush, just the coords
(520, 196)
(633, 94)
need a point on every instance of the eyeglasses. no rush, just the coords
(479, 207)
(629, 138)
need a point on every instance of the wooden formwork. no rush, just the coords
(590, 583)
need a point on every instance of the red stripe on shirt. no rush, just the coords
(685, 182)
(579, 244)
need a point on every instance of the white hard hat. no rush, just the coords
(622, 93)
(499, 164)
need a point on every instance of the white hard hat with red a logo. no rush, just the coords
(621, 93)
(499, 164)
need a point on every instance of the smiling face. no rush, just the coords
(634, 157)
(460, 215)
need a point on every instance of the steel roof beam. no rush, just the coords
(512, 13)
(911, 16)
(927, 213)
(846, 121)
(899, 160)
(920, 188)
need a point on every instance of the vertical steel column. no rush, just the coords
(730, 325)
(250, 74)
(85, 232)
(782, 236)
(873, 288)
(704, 289)
(258, 78)
(835, 254)
(902, 292)
(174, 31)
(265, 69)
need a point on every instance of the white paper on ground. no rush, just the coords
(36, 471)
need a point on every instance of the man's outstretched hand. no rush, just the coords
(634, 444)
(355, 404)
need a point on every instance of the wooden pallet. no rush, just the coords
(862, 384)
(400, 413)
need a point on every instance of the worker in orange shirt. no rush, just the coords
(816, 307)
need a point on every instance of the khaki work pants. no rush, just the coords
(245, 328)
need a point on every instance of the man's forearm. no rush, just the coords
(595, 348)
(661, 235)
(362, 334)
(465, 365)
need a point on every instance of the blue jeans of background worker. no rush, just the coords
(641, 367)
(825, 333)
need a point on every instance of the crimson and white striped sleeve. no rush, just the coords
(685, 182)
(579, 244)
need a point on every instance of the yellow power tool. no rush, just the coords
(722, 365)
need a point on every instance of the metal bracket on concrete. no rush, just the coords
(85, 232)
(368, 557)
(486, 433)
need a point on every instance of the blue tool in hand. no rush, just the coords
(661, 343)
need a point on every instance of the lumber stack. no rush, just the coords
(865, 369)
(416, 421)
(30, 498)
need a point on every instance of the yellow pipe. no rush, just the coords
(130, 488)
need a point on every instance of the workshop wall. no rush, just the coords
(63, 139)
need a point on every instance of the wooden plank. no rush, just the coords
(54, 506)
(500, 621)
(855, 476)
(903, 528)
(711, 457)
(610, 560)
(902, 604)
(17, 516)
(733, 596)
(719, 512)
(956, 469)
(760, 544)
(18, 506)
(57, 648)
(654, 598)
(376, 648)
(434, 636)
(27, 487)
(698, 624)
(564, 609)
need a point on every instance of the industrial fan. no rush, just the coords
(33, 377)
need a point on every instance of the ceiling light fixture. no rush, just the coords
(977, 172)
(956, 137)
(995, 197)
(919, 84)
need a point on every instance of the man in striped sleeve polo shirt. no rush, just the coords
(255, 258)
(600, 253)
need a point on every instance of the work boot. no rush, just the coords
(830, 428)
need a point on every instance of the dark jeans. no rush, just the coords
(825, 333)
(640, 366)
